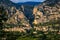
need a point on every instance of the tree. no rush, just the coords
(3, 16)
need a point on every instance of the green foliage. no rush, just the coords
(3, 16)
(3, 19)
(52, 36)
(27, 38)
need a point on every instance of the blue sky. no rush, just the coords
(16, 1)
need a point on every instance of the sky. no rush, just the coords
(16, 1)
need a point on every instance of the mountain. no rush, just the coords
(15, 16)
(47, 15)
(52, 2)
(31, 19)
(47, 8)
(30, 3)
(28, 10)
(8, 3)
(33, 14)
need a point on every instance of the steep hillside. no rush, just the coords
(28, 16)
(47, 15)
(16, 17)
(29, 21)
(27, 8)
(49, 9)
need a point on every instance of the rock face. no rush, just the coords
(16, 17)
(39, 15)
(46, 12)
